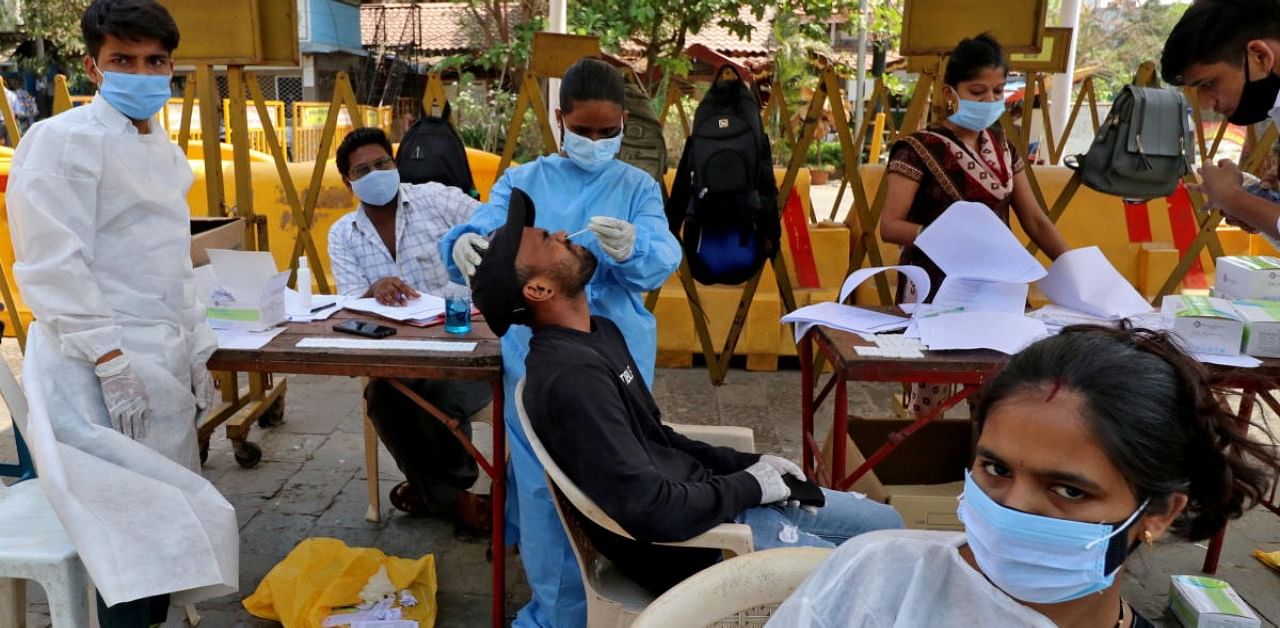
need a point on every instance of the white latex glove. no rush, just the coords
(617, 237)
(125, 395)
(203, 388)
(784, 466)
(772, 488)
(466, 253)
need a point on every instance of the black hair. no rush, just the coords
(357, 138)
(1159, 415)
(131, 20)
(1210, 31)
(973, 55)
(591, 79)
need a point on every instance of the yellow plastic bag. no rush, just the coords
(322, 574)
(1270, 559)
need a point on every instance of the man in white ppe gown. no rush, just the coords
(115, 361)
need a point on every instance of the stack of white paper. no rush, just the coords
(1001, 331)
(844, 317)
(425, 306)
(968, 241)
(250, 340)
(1083, 279)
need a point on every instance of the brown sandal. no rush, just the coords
(407, 500)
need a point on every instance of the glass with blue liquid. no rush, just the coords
(457, 314)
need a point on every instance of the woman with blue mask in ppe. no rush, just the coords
(619, 211)
(960, 158)
(1091, 444)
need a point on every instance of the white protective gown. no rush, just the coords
(99, 221)
(901, 579)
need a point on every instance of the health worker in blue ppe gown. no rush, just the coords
(620, 208)
(114, 369)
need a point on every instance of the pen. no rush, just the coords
(323, 307)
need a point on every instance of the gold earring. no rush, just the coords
(1148, 538)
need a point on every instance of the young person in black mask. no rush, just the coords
(1229, 50)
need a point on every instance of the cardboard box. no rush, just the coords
(1261, 327)
(214, 233)
(1204, 324)
(927, 506)
(1247, 277)
(242, 290)
(1202, 602)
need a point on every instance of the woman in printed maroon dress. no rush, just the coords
(960, 159)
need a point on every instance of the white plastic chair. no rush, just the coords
(614, 600)
(741, 591)
(34, 546)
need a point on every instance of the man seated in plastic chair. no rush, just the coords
(597, 419)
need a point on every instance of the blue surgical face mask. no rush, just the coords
(590, 155)
(977, 115)
(378, 187)
(1041, 559)
(137, 96)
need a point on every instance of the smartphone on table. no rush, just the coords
(364, 328)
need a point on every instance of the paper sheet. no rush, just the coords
(250, 340)
(1241, 361)
(968, 241)
(1083, 279)
(300, 313)
(1006, 333)
(424, 306)
(915, 274)
(843, 317)
(982, 296)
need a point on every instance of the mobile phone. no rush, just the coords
(804, 491)
(364, 328)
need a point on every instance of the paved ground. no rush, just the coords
(311, 483)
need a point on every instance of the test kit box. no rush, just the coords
(241, 290)
(1261, 327)
(1202, 602)
(1204, 324)
(927, 506)
(1247, 277)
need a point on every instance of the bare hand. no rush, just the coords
(392, 291)
(1219, 182)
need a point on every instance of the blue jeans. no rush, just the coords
(845, 515)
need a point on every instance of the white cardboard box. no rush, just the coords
(1204, 324)
(1202, 602)
(247, 294)
(927, 506)
(1262, 327)
(1247, 277)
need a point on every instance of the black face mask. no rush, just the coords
(1257, 99)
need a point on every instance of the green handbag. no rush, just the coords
(1143, 148)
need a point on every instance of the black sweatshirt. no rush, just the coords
(596, 418)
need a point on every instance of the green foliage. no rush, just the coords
(58, 23)
(1117, 38)
(483, 117)
(825, 154)
(508, 43)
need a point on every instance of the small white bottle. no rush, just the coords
(304, 282)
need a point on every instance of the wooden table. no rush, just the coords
(282, 355)
(969, 369)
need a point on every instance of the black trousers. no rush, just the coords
(436, 465)
(142, 613)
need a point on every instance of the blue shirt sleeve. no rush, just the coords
(484, 220)
(656, 253)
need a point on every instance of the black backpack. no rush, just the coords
(725, 196)
(432, 151)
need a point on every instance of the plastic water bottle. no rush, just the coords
(304, 282)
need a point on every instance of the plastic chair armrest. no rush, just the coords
(734, 538)
(740, 438)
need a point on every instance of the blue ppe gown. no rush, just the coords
(566, 197)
